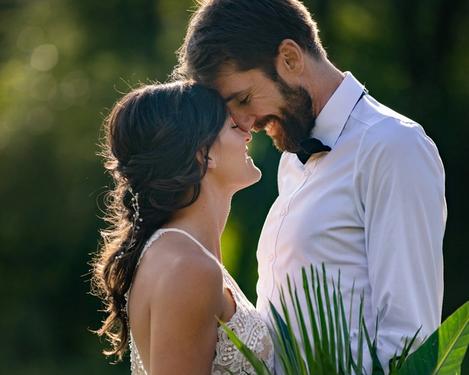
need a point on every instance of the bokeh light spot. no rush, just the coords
(44, 57)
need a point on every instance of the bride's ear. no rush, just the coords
(211, 163)
(203, 156)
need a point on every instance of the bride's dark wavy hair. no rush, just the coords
(152, 138)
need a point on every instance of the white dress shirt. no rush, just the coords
(373, 207)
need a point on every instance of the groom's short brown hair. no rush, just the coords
(244, 33)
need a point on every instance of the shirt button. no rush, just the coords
(271, 258)
(284, 212)
(307, 173)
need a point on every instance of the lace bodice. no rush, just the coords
(245, 322)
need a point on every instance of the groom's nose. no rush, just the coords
(244, 121)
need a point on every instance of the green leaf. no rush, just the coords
(398, 360)
(443, 352)
(281, 339)
(322, 315)
(300, 360)
(327, 301)
(338, 329)
(312, 316)
(377, 368)
(304, 333)
(360, 336)
(346, 333)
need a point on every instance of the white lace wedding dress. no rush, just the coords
(246, 323)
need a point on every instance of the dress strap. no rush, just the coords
(149, 242)
(152, 239)
(202, 247)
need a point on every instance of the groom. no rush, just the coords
(361, 187)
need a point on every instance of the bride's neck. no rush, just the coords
(205, 219)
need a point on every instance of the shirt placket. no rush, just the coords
(273, 257)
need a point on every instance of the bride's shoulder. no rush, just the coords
(176, 270)
(186, 262)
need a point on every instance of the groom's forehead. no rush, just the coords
(232, 83)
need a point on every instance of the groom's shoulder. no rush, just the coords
(382, 126)
(369, 112)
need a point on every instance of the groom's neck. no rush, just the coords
(321, 80)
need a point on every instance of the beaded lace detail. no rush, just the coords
(246, 322)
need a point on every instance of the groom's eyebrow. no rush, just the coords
(230, 97)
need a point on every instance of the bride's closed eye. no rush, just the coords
(234, 126)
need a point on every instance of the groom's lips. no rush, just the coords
(272, 129)
(271, 124)
(265, 122)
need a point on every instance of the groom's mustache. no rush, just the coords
(265, 121)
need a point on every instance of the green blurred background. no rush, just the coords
(63, 63)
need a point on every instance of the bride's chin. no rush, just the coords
(257, 174)
(253, 176)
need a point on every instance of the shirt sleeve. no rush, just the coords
(399, 181)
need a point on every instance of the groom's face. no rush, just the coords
(257, 102)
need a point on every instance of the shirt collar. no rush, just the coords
(332, 118)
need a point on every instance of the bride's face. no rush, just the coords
(229, 162)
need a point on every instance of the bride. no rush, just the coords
(176, 159)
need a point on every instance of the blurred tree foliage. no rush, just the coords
(64, 63)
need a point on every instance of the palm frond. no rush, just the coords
(315, 339)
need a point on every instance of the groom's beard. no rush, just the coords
(296, 121)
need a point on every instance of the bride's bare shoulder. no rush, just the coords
(175, 267)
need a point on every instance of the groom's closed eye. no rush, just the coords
(238, 95)
(245, 100)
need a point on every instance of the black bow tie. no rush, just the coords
(313, 145)
(309, 147)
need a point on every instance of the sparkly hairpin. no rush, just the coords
(136, 221)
